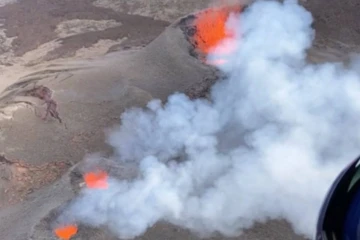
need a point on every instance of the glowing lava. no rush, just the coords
(212, 35)
(96, 180)
(66, 232)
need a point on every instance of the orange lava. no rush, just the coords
(66, 232)
(96, 180)
(211, 29)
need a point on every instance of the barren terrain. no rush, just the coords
(100, 58)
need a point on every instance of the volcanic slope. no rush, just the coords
(112, 83)
(91, 95)
(95, 93)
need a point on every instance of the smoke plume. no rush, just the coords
(267, 145)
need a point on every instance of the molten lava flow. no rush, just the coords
(96, 180)
(211, 30)
(66, 232)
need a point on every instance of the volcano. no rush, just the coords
(175, 59)
(92, 93)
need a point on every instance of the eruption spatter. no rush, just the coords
(66, 232)
(267, 145)
(92, 180)
(96, 179)
(207, 31)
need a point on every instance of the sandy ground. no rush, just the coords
(89, 53)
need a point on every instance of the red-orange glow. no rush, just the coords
(211, 30)
(66, 232)
(96, 180)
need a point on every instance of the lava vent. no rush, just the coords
(209, 35)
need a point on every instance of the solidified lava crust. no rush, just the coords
(189, 29)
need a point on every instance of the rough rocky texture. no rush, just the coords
(92, 90)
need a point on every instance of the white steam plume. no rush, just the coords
(269, 144)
